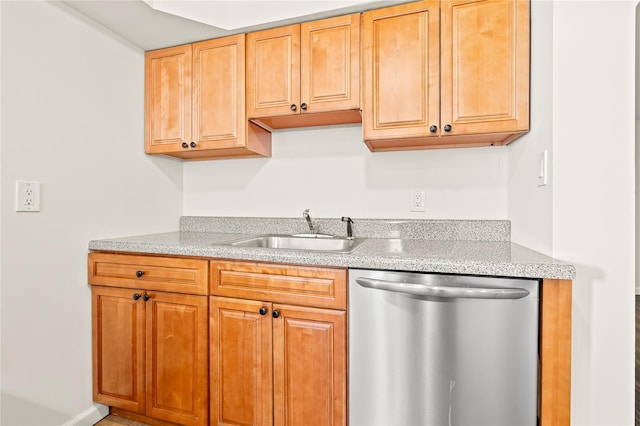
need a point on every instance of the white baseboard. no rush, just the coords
(90, 416)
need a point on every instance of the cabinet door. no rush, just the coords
(177, 358)
(118, 348)
(167, 99)
(309, 366)
(485, 66)
(218, 92)
(241, 348)
(273, 72)
(330, 64)
(401, 71)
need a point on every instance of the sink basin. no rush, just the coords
(301, 242)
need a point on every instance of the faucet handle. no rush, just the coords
(349, 228)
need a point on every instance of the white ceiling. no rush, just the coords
(154, 24)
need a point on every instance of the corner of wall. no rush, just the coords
(90, 416)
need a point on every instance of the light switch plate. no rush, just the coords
(543, 173)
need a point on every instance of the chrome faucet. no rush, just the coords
(349, 228)
(313, 227)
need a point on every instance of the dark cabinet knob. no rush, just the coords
(185, 145)
(293, 107)
(433, 128)
(136, 296)
(193, 145)
(447, 127)
(146, 297)
(303, 106)
(275, 313)
(263, 311)
(139, 274)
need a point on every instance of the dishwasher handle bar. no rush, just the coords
(450, 292)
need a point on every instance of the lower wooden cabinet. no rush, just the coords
(278, 344)
(241, 362)
(268, 347)
(309, 366)
(150, 353)
(277, 364)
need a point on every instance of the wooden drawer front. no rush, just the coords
(309, 286)
(159, 273)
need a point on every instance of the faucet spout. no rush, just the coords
(313, 228)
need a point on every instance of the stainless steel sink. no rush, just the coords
(313, 242)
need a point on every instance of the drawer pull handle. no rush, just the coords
(146, 297)
(136, 296)
(275, 313)
(263, 311)
(139, 274)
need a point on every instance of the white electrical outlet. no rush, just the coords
(27, 196)
(417, 202)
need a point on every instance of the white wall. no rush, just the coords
(72, 118)
(593, 198)
(593, 203)
(331, 171)
(1, 209)
(637, 191)
(529, 205)
(637, 115)
(583, 112)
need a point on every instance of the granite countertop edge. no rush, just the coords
(453, 257)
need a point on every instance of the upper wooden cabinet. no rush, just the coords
(195, 102)
(305, 75)
(443, 74)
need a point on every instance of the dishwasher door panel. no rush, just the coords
(442, 361)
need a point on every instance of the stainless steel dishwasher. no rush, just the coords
(430, 349)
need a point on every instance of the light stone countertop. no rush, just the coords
(454, 247)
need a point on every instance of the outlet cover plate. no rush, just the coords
(27, 196)
(417, 201)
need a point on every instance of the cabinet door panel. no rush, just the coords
(485, 66)
(273, 71)
(241, 348)
(330, 63)
(218, 92)
(401, 71)
(167, 99)
(177, 356)
(309, 366)
(118, 348)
